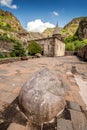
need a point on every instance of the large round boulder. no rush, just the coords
(42, 97)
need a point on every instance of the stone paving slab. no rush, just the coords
(7, 97)
(77, 98)
(78, 120)
(14, 126)
(63, 124)
(84, 110)
(74, 106)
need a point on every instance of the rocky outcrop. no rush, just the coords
(5, 45)
(74, 21)
(71, 28)
(83, 53)
(82, 29)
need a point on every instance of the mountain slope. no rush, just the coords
(68, 30)
(72, 26)
(48, 32)
(9, 22)
(79, 39)
(9, 25)
(11, 28)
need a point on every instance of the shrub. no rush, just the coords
(34, 48)
(6, 38)
(18, 50)
(70, 39)
(73, 43)
(70, 47)
(80, 44)
(2, 55)
(8, 26)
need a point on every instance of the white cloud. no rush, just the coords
(8, 3)
(38, 26)
(55, 13)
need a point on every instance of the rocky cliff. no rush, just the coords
(82, 53)
(82, 29)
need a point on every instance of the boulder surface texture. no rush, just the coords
(42, 97)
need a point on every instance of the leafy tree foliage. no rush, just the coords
(74, 44)
(70, 46)
(2, 55)
(34, 48)
(8, 26)
(80, 44)
(71, 39)
(18, 50)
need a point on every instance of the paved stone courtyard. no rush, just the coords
(14, 75)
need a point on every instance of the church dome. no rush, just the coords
(56, 30)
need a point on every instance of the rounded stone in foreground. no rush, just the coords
(42, 97)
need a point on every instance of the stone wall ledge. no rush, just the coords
(10, 60)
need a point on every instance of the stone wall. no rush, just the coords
(9, 60)
(14, 59)
(47, 46)
(82, 53)
(59, 48)
(70, 53)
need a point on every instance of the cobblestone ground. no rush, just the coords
(14, 75)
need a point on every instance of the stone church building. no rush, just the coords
(53, 45)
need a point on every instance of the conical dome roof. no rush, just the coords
(56, 30)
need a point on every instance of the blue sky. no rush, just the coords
(39, 13)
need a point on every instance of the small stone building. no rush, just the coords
(53, 45)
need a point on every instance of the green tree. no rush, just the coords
(18, 50)
(80, 44)
(70, 39)
(34, 48)
(73, 43)
(2, 55)
(70, 46)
